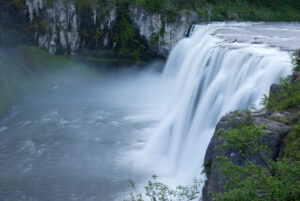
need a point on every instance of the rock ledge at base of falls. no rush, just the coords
(275, 132)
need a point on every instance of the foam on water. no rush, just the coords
(3, 129)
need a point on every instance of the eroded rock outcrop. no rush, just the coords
(62, 27)
(160, 33)
(68, 27)
(275, 132)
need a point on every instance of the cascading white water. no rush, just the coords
(211, 78)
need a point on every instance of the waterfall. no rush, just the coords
(211, 77)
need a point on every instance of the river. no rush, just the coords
(82, 140)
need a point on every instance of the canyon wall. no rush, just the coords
(61, 26)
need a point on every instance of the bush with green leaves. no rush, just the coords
(288, 96)
(129, 46)
(273, 180)
(157, 191)
(254, 10)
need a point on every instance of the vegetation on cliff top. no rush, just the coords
(208, 10)
(276, 180)
(219, 10)
(288, 96)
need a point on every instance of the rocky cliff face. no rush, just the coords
(275, 132)
(61, 26)
(158, 30)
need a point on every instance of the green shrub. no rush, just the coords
(157, 191)
(276, 180)
(17, 3)
(288, 96)
(266, 10)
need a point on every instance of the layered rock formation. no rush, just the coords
(158, 29)
(67, 29)
(62, 26)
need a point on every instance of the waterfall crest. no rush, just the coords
(211, 77)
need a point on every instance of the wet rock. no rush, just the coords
(275, 88)
(294, 77)
(275, 132)
(278, 116)
(232, 15)
(285, 116)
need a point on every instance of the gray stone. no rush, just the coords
(68, 30)
(64, 21)
(147, 24)
(275, 132)
(294, 77)
(275, 88)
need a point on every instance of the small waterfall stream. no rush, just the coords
(211, 77)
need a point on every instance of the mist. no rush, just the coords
(65, 140)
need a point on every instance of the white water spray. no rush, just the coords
(211, 78)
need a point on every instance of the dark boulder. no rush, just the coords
(294, 77)
(275, 132)
(275, 88)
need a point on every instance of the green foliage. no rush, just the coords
(43, 26)
(254, 10)
(157, 191)
(39, 25)
(82, 5)
(128, 44)
(126, 31)
(162, 30)
(274, 180)
(125, 37)
(256, 183)
(244, 139)
(154, 39)
(141, 3)
(84, 33)
(98, 34)
(166, 7)
(16, 3)
(292, 143)
(42, 61)
(287, 97)
(153, 5)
